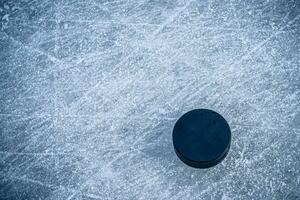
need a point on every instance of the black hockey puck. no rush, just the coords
(201, 138)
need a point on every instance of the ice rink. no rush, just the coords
(90, 91)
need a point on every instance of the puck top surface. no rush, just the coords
(201, 138)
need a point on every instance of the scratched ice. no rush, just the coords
(90, 91)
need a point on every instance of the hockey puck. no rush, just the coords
(201, 138)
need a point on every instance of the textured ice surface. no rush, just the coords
(90, 91)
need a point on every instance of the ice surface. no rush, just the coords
(90, 91)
